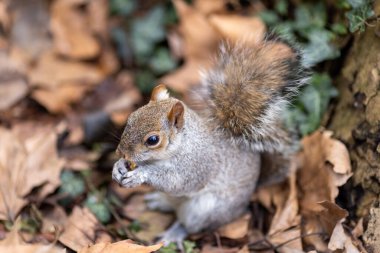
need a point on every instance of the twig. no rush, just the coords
(275, 247)
(217, 238)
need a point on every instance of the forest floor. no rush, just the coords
(73, 70)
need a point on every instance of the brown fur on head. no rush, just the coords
(162, 117)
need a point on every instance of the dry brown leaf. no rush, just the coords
(77, 158)
(135, 206)
(198, 45)
(126, 246)
(185, 77)
(60, 98)
(235, 28)
(236, 229)
(285, 223)
(210, 6)
(325, 167)
(14, 244)
(120, 107)
(211, 249)
(71, 30)
(51, 71)
(286, 202)
(54, 218)
(290, 240)
(61, 82)
(124, 193)
(30, 28)
(13, 86)
(79, 230)
(98, 18)
(341, 241)
(330, 215)
(98, 15)
(26, 163)
(153, 224)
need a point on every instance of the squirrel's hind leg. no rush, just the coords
(160, 201)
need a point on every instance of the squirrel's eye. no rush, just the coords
(152, 140)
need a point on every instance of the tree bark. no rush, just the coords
(356, 121)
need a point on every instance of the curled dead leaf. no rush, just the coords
(325, 167)
(198, 48)
(51, 71)
(70, 29)
(340, 241)
(59, 82)
(236, 229)
(235, 28)
(79, 230)
(126, 246)
(153, 224)
(26, 163)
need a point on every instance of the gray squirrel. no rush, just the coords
(206, 164)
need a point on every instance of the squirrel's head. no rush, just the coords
(153, 131)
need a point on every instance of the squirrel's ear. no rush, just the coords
(176, 115)
(159, 93)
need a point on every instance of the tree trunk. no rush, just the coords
(356, 121)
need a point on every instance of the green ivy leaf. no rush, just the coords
(310, 17)
(309, 107)
(189, 246)
(356, 3)
(339, 28)
(319, 48)
(147, 31)
(72, 184)
(122, 7)
(162, 61)
(342, 4)
(281, 6)
(135, 226)
(269, 17)
(98, 207)
(170, 248)
(145, 81)
(286, 30)
(358, 16)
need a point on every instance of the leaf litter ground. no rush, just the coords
(66, 92)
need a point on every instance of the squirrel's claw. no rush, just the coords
(131, 179)
(176, 233)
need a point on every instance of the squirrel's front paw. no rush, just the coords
(119, 170)
(124, 177)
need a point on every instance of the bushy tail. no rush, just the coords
(249, 88)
